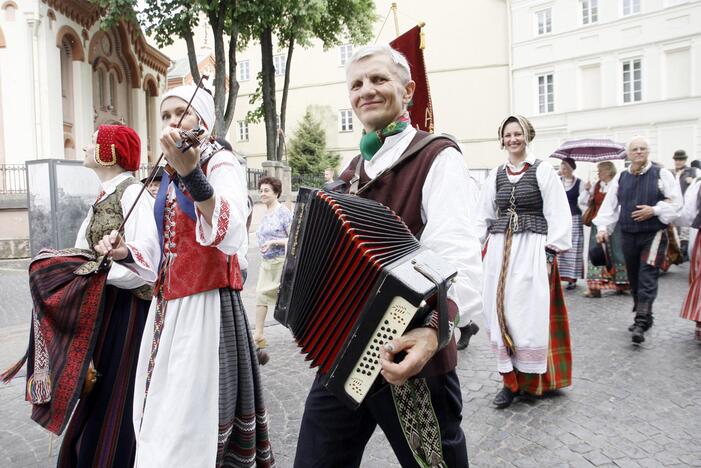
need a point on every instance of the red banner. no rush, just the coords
(421, 110)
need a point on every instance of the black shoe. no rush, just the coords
(638, 334)
(263, 356)
(467, 332)
(571, 285)
(504, 398)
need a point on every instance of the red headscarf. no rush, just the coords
(118, 144)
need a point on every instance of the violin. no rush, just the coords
(188, 139)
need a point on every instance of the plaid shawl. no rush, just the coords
(67, 296)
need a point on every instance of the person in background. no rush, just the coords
(598, 277)
(642, 199)
(691, 216)
(571, 262)
(329, 175)
(155, 183)
(272, 234)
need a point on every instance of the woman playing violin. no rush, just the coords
(197, 379)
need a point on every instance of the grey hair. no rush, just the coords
(638, 137)
(402, 64)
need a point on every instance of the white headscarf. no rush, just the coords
(203, 103)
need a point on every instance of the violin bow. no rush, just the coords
(151, 176)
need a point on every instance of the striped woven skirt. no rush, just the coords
(572, 261)
(559, 370)
(691, 309)
(100, 432)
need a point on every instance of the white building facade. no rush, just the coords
(609, 69)
(62, 76)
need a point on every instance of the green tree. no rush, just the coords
(307, 150)
(166, 20)
(298, 22)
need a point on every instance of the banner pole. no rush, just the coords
(396, 18)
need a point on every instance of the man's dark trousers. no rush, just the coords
(642, 277)
(332, 435)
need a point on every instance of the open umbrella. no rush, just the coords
(590, 150)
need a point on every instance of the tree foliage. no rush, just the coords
(167, 20)
(298, 22)
(307, 150)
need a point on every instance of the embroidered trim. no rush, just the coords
(217, 165)
(138, 256)
(111, 162)
(222, 222)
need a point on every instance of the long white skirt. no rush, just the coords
(179, 423)
(526, 302)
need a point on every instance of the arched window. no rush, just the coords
(10, 8)
(67, 81)
(101, 87)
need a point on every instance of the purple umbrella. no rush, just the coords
(590, 150)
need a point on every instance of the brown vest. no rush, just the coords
(400, 189)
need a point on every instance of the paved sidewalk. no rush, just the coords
(628, 406)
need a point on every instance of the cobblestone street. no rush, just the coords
(628, 406)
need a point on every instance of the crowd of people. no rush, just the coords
(178, 380)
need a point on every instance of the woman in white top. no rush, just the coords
(524, 210)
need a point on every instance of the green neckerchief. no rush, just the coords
(371, 142)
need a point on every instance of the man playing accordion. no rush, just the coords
(428, 189)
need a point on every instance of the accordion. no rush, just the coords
(354, 278)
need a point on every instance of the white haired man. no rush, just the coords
(428, 189)
(643, 199)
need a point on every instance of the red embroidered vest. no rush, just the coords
(190, 267)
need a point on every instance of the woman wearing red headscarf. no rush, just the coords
(100, 432)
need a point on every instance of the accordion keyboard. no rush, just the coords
(394, 323)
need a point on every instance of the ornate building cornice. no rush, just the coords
(86, 14)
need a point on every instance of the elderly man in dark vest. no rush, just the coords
(643, 199)
(423, 178)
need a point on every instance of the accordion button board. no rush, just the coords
(393, 324)
(354, 278)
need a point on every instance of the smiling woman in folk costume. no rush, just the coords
(524, 210)
(198, 398)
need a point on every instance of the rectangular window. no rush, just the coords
(632, 80)
(345, 120)
(590, 11)
(546, 94)
(244, 69)
(280, 63)
(243, 130)
(631, 7)
(544, 21)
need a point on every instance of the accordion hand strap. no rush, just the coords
(441, 305)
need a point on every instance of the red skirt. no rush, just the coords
(691, 309)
